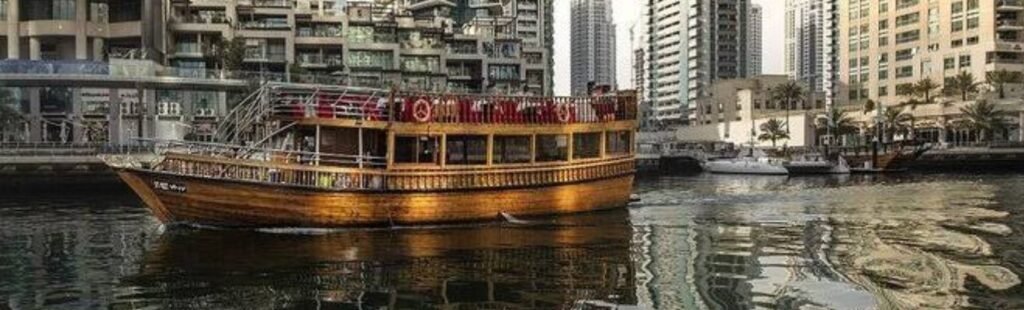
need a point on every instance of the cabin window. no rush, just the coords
(416, 150)
(586, 145)
(512, 149)
(552, 148)
(467, 150)
(619, 142)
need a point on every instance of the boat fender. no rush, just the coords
(512, 219)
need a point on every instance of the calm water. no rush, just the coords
(716, 242)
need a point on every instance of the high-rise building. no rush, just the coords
(692, 44)
(638, 44)
(719, 46)
(593, 44)
(494, 46)
(666, 56)
(640, 62)
(812, 55)
(886, 46)
(755, 36)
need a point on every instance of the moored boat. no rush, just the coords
(746, 165)
(333, 156)
(816, 164)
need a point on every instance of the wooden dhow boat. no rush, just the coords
(332, 156)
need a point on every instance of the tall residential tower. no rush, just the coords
(593, 44)
(692, 44)
(754, 33)
(812, 55)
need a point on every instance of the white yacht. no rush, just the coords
(749, 164)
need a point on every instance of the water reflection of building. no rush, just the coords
(61, 252)
(480, 267)
(664, 275)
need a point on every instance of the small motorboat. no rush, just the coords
(746, 165)
(817, 164)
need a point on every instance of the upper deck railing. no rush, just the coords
(408, 107)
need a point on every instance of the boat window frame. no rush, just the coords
(437, 149)
(537, 145)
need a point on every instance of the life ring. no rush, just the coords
(421, 110)
(564, 113)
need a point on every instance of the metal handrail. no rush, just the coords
(263, 154)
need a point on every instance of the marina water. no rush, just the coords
(720, 242)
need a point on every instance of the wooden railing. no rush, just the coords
(286, 156)
(339, 179)
(297, 102)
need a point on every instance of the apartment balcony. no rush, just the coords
(1009, 46)
(265, 3)
(527, 5)
(193, 24)
(268, 24)
(202, 3)
(1009, 5)
(463, 49)
(261, 56)
(192, 50)
(319, 61)
(1009, 25)
(416, 5)
(997, 58)
(203, 19)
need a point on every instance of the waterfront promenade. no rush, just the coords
(61, 158)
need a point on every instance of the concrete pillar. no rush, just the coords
(76, 120)
(34, 116)
(97, 49)
(147, 99)
(13, 36)
(34, 49)
(1020, 128)
(114, 117)
(81, 40)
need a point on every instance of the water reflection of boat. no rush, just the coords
(579, 258)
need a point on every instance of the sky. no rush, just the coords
(626, 12)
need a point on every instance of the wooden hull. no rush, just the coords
(196, 200)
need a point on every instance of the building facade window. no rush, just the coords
(965, 61)
(905, 71)
(47, 10)
(908, 36)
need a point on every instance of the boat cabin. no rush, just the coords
(398, 131)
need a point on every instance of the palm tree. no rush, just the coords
(772, 131)
(1000, 78)
(838, 122)
(923, 90)
(869, 106)
(895, 121)
(984, 117)
(964, 84)
(835, 122)
(789, 93)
